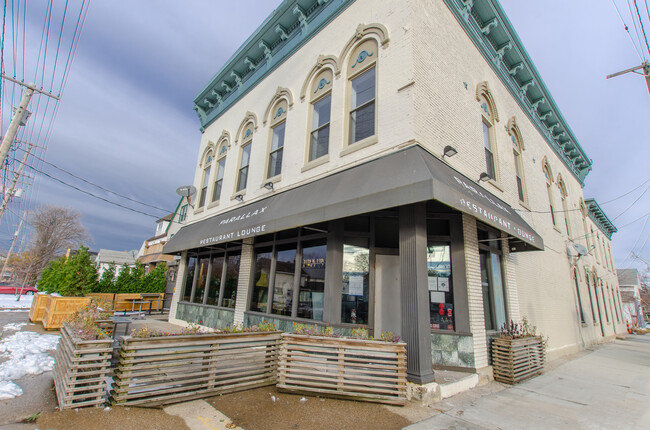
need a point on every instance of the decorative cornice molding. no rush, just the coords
(599, 218)
(488, 27)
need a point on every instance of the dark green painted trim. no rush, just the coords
(599, 218)
(488, 27)
(285, 31)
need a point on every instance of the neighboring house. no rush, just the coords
(630, 284)
(399, 166)
(106, 257)
(151, 251)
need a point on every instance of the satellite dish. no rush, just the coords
(580, 249)
(186, 190)
(571, 251)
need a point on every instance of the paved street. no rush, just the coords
(608, 388)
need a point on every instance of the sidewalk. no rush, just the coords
(608, 388)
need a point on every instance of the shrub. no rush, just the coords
(74, 277)
(83, 322)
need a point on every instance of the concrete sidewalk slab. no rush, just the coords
(606, 388)
(200, 415)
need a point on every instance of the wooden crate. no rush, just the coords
(81, 370)
(162, 370)
(37, 310)
(514, 360)
(124, 302)
(350, 368)
(58, 309)
(107, 297)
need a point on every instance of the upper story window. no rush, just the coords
(205, 180)
(321, 99)
(182, 214)
(517, 149)
(244, 161)
(276, 148)
(489, 116)
(548, 174)
(565, 208)
(362, 71)
(221, 166)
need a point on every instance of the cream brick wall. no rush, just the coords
(178, 289)
(243, 282)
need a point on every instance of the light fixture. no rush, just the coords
(484, 177)
(449, 151)
(269, 186)
(239, 197)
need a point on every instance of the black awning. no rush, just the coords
(404, 177)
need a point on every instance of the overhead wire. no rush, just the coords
(645, 37)
(636, 30)
(627, 30)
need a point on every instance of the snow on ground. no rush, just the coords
(27, 355)
(13, 326)
(8, 301)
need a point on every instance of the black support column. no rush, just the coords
(416, 330)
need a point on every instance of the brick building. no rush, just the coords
(396, 165)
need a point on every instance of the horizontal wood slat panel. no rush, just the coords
(514, 360)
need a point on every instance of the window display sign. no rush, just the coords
(356, 285)
(441, 298)
(443, 284)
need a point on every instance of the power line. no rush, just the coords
(623, 195)
(636, 6)
(633, 203)
(627, 30)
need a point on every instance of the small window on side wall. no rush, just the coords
(362, 70)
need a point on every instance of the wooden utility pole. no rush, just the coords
(13, 242)
(646, 73)
(10, 192)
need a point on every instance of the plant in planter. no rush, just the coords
(91, 322)
(518, 353)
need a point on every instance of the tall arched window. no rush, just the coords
(205, 180)
(548, 174)
(517, 149)
(321, 100)
(244, 157)
(221, 167)
(362, 75)
(565, 207)
(489, 117)
(577, 283)
(276, 148)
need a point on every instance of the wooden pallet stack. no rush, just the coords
(350, 368)
(514, 360)
(162, 370)
(81, 370)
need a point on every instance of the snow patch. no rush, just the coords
(13, 326)
(8, 301)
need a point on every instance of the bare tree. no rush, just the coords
(55, 229)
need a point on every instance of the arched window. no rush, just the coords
(362, 76)
(221, 167)
(548, 174)
(489, 116)
(321, 100)
(577, 283)
(276, 148)
(517, 149)
(565, 207)
(205, 179)
(246, 140)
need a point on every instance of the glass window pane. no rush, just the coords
(242, 179)
(362, 122)
(489, 163)
(189, 278)
(259, 298)
(245, 155)
(285, 268)
(200, 284)
(497, 291)
(221, 167)
(363, 89)
(278, 137)
(232, 278)
(319, 145)
(216, 194)
(312, 280)
(485, 286)
(215, 281)
(354, 300)
(441, 296)
(321, 113)
(275, 163)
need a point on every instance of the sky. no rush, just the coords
(125, 119)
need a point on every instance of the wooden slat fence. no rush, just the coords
(162, 370)
(350, 368)
(80, 370)
(514, 360)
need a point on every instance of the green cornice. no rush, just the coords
(287, 29)
(599, 218)
(486, 24)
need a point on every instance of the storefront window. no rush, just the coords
(189, 278)
(312, 280)
(215, 280)
(285, 268)
(441, 296)
(200, 283)
(259, 299)
(494, 304)
(355, 296)
(232, 278)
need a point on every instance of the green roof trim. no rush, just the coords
(285, 31)
(487, 25)
(598, 216)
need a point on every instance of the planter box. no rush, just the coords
(162, 370)
(58, 309)
(81, 370)
(107, 297)
(37, 310)
(514, 360)
(351, 368)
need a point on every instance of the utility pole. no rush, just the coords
(646, 73)
(20, 116)
(13, 242)
(10, 192)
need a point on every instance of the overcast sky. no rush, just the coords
(126, 120)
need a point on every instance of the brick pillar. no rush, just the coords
(243, 283)
(474, 291)
(178, 288)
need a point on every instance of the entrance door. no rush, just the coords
(388, 312)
